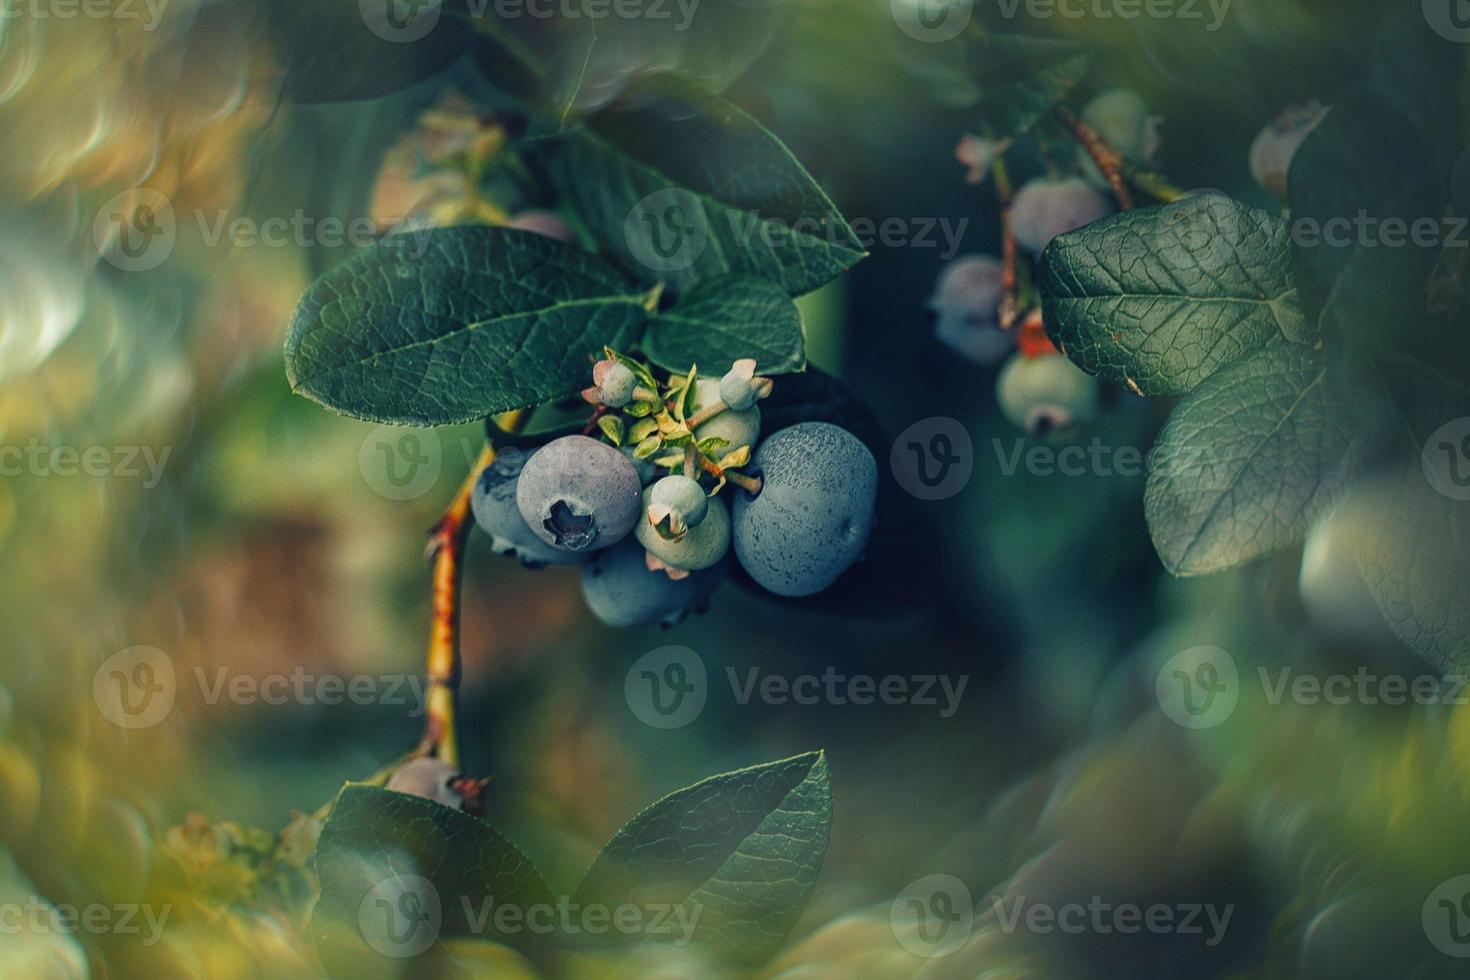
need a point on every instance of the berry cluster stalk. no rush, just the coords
(446, 553)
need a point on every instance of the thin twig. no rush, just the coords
(1109, 161)
(446, 552)
(1009, 304)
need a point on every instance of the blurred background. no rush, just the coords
(166, 495)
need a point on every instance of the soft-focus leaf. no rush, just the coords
(720, 321)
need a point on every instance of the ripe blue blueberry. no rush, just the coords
(621, 591)
(699, 547)
(1122, 118)
(811, 519)
(737, 387)
(494, 506)
(1050, 206)
(736, 426)
(676, 503)
(1275, 146)
(579, 494)
(966, 305)
(1046, 394)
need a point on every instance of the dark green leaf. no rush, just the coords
(1365, 166)
(485, 321)
(742, 849)
(1022, 79)
(342, 50)
(378, 846)
(1159, 299)
(1415, 550)
(1249, 459)
(722, 320)
(682, 186)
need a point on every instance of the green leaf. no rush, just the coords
(727, 196)
(378, 844)
(1022, 79)
(1161, 298)
(1415, 547)
(720, 321)
(340, 51)
(1249, 460)
(742, 849)
(486, 320)
(1365, 165)
(612, 427)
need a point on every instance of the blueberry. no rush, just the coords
(737, 389)
(676, 503)
(428, 778)
(615, 382)
(547, 223)
(812, 517)
(1121, 117)
(621, 590)
(579, 494)
(646, 469)
(699, 547)
(1275, 146)
(737, 427)
(494, 506)
(1050, 206)
(966, 305)
(1046, 394)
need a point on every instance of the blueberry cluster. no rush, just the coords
(676, 480)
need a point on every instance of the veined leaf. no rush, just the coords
(1159, 299)
(484, 320)
(683, 186)
(742, 850)
(720, 321)
(1249, 460)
